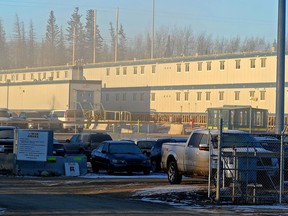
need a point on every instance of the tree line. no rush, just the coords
(79, 42)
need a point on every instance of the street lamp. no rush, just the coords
(7, 96)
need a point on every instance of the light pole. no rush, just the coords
(7, 96)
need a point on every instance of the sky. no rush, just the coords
(220, 18)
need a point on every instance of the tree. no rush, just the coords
(89, 38)
(76, 37)
(52, 39)
(61, 49)
(113, 42)
(122, 44)
(4, 59)
(31, 46)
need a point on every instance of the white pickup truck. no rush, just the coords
(192, 157)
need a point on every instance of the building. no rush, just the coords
(183, 85)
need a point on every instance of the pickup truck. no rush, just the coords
(192, 157)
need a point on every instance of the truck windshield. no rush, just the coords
(236, 140)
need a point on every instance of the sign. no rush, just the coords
(72, 169)
(32, 145)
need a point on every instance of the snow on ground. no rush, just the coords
(124, 175)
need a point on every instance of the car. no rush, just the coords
(7, 139)
(84, 143)
(37, 120)
(155, 154)
(119, 156)
(146, 145)
(58, 148)
(73, 120)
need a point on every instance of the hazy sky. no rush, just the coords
(227, 18)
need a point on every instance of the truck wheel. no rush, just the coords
(174, 177)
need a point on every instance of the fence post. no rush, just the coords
(219, 161)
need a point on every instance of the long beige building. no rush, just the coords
(176, 85)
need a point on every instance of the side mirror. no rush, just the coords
(204, 147)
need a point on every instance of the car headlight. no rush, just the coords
(146, 162)
(115, 161)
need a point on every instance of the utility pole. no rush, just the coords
(73, 46)
(94, 39)
(280, 78)
(152, 37)
(116, 36)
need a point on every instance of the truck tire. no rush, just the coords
(174, 177)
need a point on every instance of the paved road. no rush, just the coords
(76, 196)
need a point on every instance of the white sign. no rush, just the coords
(32, 145)
(72, 169)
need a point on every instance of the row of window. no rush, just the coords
(199, 96)
(124, 97)
(200, 67)
(220, 96)
(32, 76)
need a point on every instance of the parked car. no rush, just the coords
(119, 156)
(58, 148)
(7, 138)
(72, 120)
(145, 145)
(37, 120)
(155, 154)
(192, 158)
(84, 143)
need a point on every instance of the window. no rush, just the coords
(52, 75)
(178, 96)
(153, 68)
(142, 69)
(237, 95)
(124, 70)
(24, 76)
(262, 95)
(199, 64)
(107, 71)
(209, 66)
(58, 74)
(5, 77)
(187, 67)
(263, 62)
(221, 95)
(208, 95)
(199, 96)
(134, 96)
(178, 67)
(117, 97)
(32, 76)
(117, 71)
(16, 76)
(252, 63)
(135, 70)
(153, 96)
(39, 76)
(0, 77)
(252, 94)
(237, 64)
(222, 65)
(66, 74)
(107, 97)
(186, 96)
(142, 97)
(124, 97)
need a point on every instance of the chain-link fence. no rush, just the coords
(251, 169)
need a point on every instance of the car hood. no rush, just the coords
(129, 157)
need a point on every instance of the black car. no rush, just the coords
(155, 154)
(84, 143)
(146, 145)
(119, 156)
(7, 138)
(58, 148)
